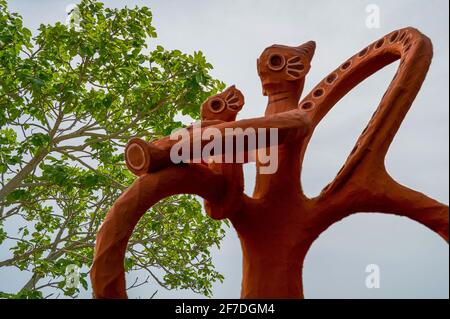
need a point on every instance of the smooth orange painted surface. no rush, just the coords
(278, 224)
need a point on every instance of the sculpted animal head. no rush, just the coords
(283, 68)
(223, 106)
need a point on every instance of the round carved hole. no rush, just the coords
(379, 44)
(346, 65)
(331, 78)
(394, 36)
(318, 93)
(136, 156)
(307, 105)
(216, 106)
(363, 52)
(276, 62)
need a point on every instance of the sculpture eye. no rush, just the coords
(216, 105)
(276, 62)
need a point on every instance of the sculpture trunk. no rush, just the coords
(272, 269)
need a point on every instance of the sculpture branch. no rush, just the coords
(363, 175)
(150, 157)
(415, 51)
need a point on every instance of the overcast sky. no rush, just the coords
(414, 262)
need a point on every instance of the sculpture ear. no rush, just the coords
(307, 49)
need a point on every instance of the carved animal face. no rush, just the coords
(223, 106)
(282, 68)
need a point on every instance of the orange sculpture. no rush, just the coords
(278, 224)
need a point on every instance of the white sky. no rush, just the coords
(414, 261)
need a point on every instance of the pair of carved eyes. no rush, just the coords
(294, 65)
(231, 102)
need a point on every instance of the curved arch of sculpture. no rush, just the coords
(364, 177)
(107, 272)
(278, 224)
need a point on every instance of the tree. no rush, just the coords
(70, 98)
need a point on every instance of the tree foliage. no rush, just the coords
(70, 98)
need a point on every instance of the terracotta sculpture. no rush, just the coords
(278, 224)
